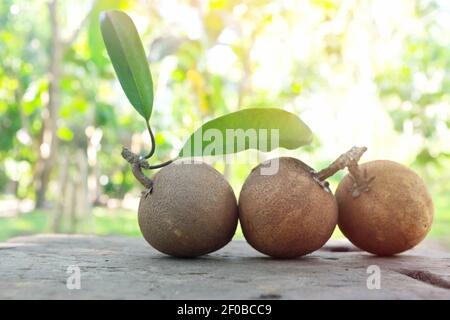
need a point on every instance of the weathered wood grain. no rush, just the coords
(127, 268)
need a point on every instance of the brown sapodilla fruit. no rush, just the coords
(392, 215)
(287, 214)
(191, 210)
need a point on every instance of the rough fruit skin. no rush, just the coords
(191, 211)
(288, 214)
(393, 216)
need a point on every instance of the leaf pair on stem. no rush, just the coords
(130, 64)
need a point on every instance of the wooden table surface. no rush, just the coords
(40, 267)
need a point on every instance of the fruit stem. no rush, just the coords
(161, 165)
(361, 180)
(152, 138)
(138, 163)
(348, 159)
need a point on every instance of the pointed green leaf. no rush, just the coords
(129, 60)
(261, 129)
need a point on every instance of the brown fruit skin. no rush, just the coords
(288, 214)
(191, 211)
(393, 216)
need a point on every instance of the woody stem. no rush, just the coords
(138, 163)
(348, 159)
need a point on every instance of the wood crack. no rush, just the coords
(426, 277)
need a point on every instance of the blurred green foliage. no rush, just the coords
(355, 71)
(113, 222)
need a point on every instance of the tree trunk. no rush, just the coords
(72, 206)
(62, 187)
(48, 145)
(84, 194)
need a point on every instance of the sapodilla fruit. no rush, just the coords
(191, 210)
(286, 214)
(393, 214)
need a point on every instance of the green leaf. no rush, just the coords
(65, 134)
(248, 129)
(129, 60)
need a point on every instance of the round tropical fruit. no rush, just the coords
(392, 215)
(286, 213)
(191, 210)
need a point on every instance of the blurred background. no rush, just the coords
(373, 73)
